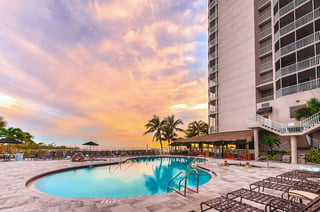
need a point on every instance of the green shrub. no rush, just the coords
(313, 156)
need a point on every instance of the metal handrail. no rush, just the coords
(185, 179)
(177, 175)
(287, 128)
(265, 158)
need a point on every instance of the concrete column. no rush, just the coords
(294, 154)
(256, 142)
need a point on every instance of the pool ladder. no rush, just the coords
(185, 180)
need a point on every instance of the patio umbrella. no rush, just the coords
(9, 141)
(91, 143)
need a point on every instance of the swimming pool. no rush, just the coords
(135, 177)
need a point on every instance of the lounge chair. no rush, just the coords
(299, 174)
(270, 185)
(264, 199)
(286, 205)
(224, 204)
(297, 184)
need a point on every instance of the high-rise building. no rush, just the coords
(263, 64)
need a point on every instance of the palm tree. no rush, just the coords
(171, 128)
(270, 141)
(312, 107)
(155, 126)
(2, 122)
(196, 128)
(17, 134)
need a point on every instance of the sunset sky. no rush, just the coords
(73, 71)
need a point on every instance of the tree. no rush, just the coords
(171, 128)
(17, 134)
(155, 126)
(196, 128)
(312, 107)
(2, 122)
(270, 141)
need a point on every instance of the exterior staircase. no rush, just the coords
(297, 128)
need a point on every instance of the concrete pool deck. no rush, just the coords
(15, 196)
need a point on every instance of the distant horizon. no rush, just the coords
(74, 71)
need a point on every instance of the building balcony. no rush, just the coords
(213, 69)
(264, 81)
(264, 17)
(262, 3)
(291, 6)
(313, 84)
(298, 66)
(265, 50)
(213, 110)
(214, 2)
(266, 66)
(298, 44)
(213, 96)
(212, 42)
(212, 16)
(265, 33)
(277, 36)
(213, 55)
(213, 130)
(213, 82)
(266, 98)
(299, 22)
(213, 29)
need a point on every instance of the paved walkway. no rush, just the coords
(15, 196)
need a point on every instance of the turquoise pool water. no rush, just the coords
(136, 177)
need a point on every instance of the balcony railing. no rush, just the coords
(212, 55)
(290, 6)
(266, 98)
(301, 21)
(286, 8)
(265, 49)
(265, 32)
(212, 3)
(213, 82)
(266, 66)
(277, 35)
(265, 81)
(262, 2)
(213, 69)
(213, 42)
(300, 43)
(213, 29)
(276, 16)
(213, 96)
(213, 110)
(298, 66)
(264, 17)
(313, 84)
(212, 16)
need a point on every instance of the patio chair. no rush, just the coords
(224, 204)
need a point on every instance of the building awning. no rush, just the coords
(264, 110)
(218, 138)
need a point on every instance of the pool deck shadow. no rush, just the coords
(15, 196)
